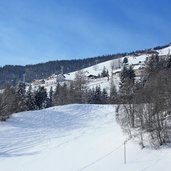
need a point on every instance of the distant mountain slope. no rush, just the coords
(137, 61)
(10, 74)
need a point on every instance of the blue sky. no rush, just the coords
(36, 31)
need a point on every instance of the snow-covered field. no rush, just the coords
(73, 138)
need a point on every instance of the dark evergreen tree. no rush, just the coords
(127, 80)
(125, 60)
(104, 97)
(131, 74)
(20, 92)
(98, 95)
(105, 72)
(30, 99)
(153, 64)
(123, 76)
(41, 99)
(113, 93)
(91, 96)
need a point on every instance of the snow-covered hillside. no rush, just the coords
(136, 61)
(97, 69)
(73, 138)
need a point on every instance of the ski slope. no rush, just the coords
(73, 138)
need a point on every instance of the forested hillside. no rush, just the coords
(10, 74)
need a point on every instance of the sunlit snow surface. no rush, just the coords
(73, 138)
(76, 137)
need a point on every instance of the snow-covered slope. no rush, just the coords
(98, 68)
(165, 51)
(73, 138)
(136, 61)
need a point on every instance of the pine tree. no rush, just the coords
(30, 99)
(153, 64)
(131, 74)
(98, 95)
(125, 60)
(127, 80)
(105, 73)
(41, 99)
(104, 97)
(20, 92)
(113, 92)
(91, 96)
(123, 76)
